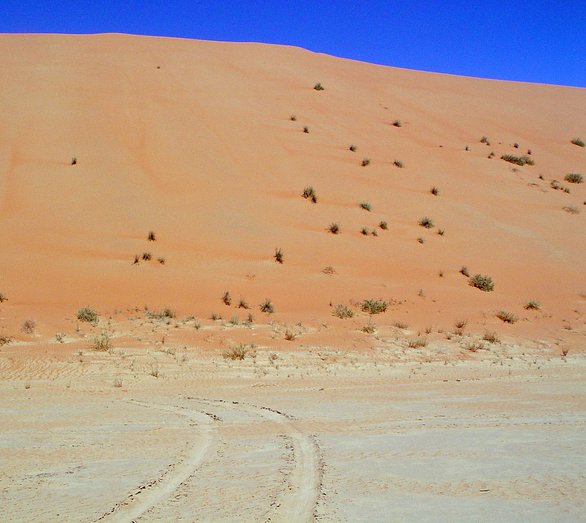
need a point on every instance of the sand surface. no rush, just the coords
(435, 409)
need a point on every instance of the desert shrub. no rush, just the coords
(474, 345)
(460, 324)
(532, 305)
(491, 337)
(518, 160)
(365, 162)
(571, 209)
(334, 228)
(373, 232)
(507, 317)
(4, 340)
(318, 87)
(242, 304)
(234, 321)
(3, 297)
(329, 270)
(364, 231)
(417, 343)
(278, 255)
(516, 145)
(28, 326)
(309, 194)
(343, 312)
(485, 140)
(306, 129)
(398, 163)
(441, 232)
(102, 343)
(366, 206)
(151, 237)
(227, 298)
(161, 260)
(426, 222)
(420, 240)
(289, 336)
(267, 307)
(383, 225)
(397, 123)
(352, 148)
(484, 283)
(374, 306)
(237, 352)
(87, 314)
(578, 142)
(215, 317)
(554, 184)
(136, 259)
(74, 161)
(146, 256)
(293, 118)
(434, 190)
(163, 314)
(369, 328)
(400, 325)
(574, 178)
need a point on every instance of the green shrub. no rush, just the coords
(352, 148)
(306, 129)
(374, 306)
(102, 343)
(532, 305)
(485, 140)
(397, 123)
(518, 160)
(484, 283)
(151, 237)
(578, 142)
(87, 315)
(366, 206)
(383, 225)
(267, 307)
(364, 231)
(318, 87)
(574, 178)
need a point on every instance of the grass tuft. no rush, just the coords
(87, 314)
(482, 282)
(374, 306)
(507, 317)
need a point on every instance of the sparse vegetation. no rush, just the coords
(383, 225)
(242, 304)
(279, 256)
(364, 231)
(227, 298)
(441, 232)
(374, 306)
(215, 317)
(482, 282)
(400, 325)
(161, 260)
(309, 194)
(420, 240)
(237, 352)
(318, 87)
(5, 340)
(397, 123)
(474, 345)
(293, 118)
(460, 324)
(151, 237)
(435, 191)
(306, 129)
(146, 256)
(517, 160)
(343, 312)
(554, 184)
(365, 162)
(267, 307)
(398, 163)
(74, 161)
(426, 222)
(491, 337)
(3, 297)
(334, 228)
(164, 314)
(574, 178)
(290, 336)
(571, 209)
(417, 343)
(578, 142)
(369, 328)
(464, 271)
(102, 343)
(507, 317)
(485, 140)
(532, 305)
(136, 259)
(352, 148)
(329, 270)
(60, 337)
(366, 206)
(87, 314)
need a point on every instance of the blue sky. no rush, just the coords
(533, 41)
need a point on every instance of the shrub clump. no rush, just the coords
(484, 283)
(102, 343)
(28, 326)
(426, 222)
(87, 314)
(574, 178)
(267, 306)
(343, 312)
(278, 255)
(3, 297)
(532, 305)
(365, 162)
(507, 317)
(238, 352)
(518, 160)
(309, 194)
(318, 87)
(334, 228)
(398, 163)
(374, 306)
(578, 142)
(366, 206)
(383, 225)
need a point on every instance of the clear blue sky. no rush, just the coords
(534, 41)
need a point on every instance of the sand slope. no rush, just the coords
(193, 140)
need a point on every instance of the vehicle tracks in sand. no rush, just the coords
(302, 482)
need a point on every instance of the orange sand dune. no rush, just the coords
(193, 140)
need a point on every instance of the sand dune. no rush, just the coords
(435, 409)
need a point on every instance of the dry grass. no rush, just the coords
(417, 343)
(491, 337)
(343, 312)
(102, 343)
(374, 306)
(237, 352)
(507, 317)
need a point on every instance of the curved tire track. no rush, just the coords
(148, 495)
(305, 481)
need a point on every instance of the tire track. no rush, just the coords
(305, 481)
(149, 494)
